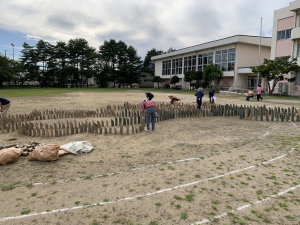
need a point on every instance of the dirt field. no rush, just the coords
(191, 170)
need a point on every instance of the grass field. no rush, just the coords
(208, 170)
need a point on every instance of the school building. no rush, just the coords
(233, 55)
(286, 42)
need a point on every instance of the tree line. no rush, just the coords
(74, 62)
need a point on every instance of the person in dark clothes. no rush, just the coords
(211, 96)
(149, 96)
(199, 96)
(4, 105)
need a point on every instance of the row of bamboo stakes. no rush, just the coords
(127, 119)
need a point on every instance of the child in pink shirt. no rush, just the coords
(259, 93)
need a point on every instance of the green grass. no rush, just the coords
(12, 91)
(25, 212)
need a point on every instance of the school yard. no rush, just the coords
(201, 170)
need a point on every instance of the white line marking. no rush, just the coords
(145, 195)
(246, 206)
(295, 125)
(142, 168)
(267, 133)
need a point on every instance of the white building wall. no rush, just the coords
(246, 55)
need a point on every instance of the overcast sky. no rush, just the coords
(144, 24)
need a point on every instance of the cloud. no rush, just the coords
(140, 23)
(9, 46)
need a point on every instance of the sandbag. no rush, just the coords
(45, 153)
(62, 152)
(9, 155)
(78, 147)
(251, 93)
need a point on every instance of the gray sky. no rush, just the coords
(144, 24)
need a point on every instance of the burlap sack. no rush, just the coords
(251, 93)
(45, 153)
(62, 152)
(9, 155)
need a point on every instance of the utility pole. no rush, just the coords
(13, 51)
(5, 52)
(259, 51)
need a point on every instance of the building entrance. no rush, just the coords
(252, 82)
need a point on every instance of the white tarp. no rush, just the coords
(78, 147)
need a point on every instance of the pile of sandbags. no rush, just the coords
(250, 93)
(41, 152)
(26, 148)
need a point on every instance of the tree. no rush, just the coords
(108, 53)
(5, 69)
(197, 76)
(61, 63)
(132, 66)
(174, 80)
(189, 76)
(276, 70)
(157, 79)
(170, 50)
(149, 66)
(212, 73)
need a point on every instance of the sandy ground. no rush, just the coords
(180, 191)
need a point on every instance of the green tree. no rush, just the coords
(108, 53)
(212, 73)
(5, 70)
(197, 76)
(149, 66)
(174, 80)
(132, 66)
(29, 58)
(276, 70)
(157, 79)
(19, 74)
(189, 76)
(61, 65)
(170, 50)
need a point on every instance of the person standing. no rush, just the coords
(199, 96)
(149, 95)
(259, 92)
(150, 108)
(211, 96)
(4, 104)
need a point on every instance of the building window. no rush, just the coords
(210, 59)
(194, 63)
(297, 78)
(200, 62)
(204, 60)
(218, 59)
(189, 63)
(284, 34)
(147, 80)
(166, 67)
(177, 66)
(224, 60)
(231, 59)
(298, 50)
